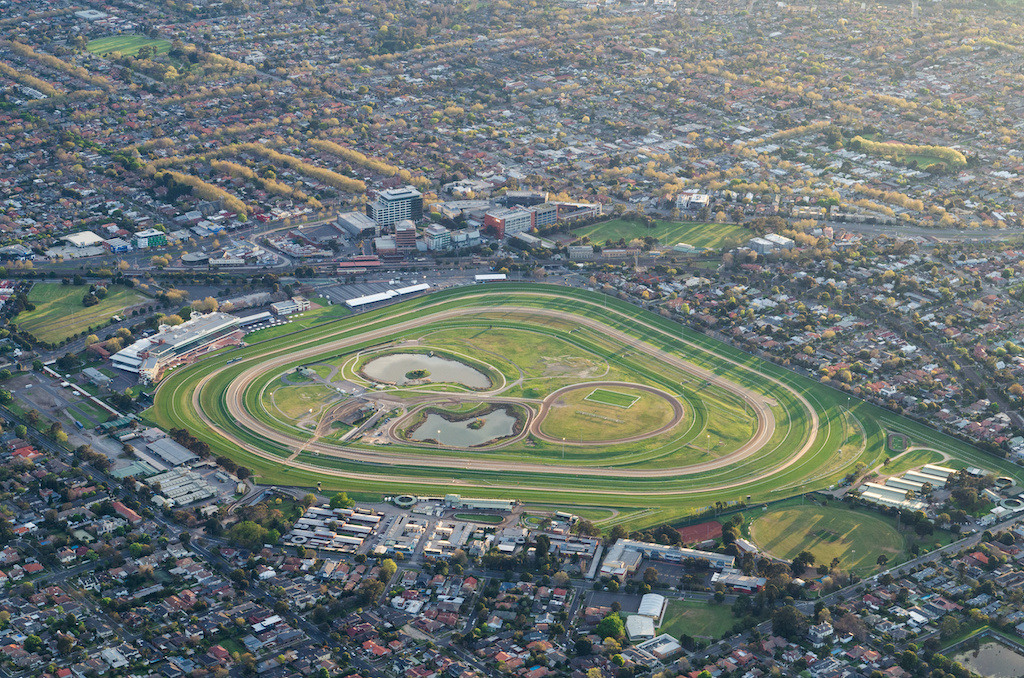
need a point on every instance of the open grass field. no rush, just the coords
(59, 313)
(857, 538)
(911, 460)
(713, 236)
(697, 619)
(751, 428)
(577, 415)
(301, 402)
(126, 44)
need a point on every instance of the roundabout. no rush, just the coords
(532, 392)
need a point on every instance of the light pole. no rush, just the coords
(563, 449)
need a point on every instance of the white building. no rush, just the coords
(394, 205)
(438, 237)
(290, 306)
(639, 628)
(83, 239)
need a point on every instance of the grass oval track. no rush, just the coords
(815, 434)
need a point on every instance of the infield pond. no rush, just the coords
(392, 368)
(496, 424)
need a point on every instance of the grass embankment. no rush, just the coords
(698, 234)
(59, 313)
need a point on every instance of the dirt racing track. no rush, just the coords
(438, 467)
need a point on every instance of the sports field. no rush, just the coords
(613, 398)
(59, 313)
(696, 619)
(713, 236)
(857, 538)
(127, 45)
(736, 426)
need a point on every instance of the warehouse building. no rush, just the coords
(171, 453)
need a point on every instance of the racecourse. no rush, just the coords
(802, 435)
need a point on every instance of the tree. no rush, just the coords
(248, 534)
(65, 644)
(651, 576)
(387, 570)
(949, 626)
(618, 532)
(583, 648)
(341, 500)
(789, 622)
(33, 643)
(611, 626)
(308, 500)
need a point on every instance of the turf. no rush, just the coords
(300, 402)
(488, 518)
(576, 416)
(911, 460)
(126, 44)
(649, 500)
(613, 398)
(696, 619)
(299, 322)
(59, 313)
(713, 236)
(857, 538)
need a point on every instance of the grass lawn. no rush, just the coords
(911, 460)
(713, 236)
(576, 415)
(923, 161)
(857, 538)
(697, 619)
(296, 402)
(299, 321)
(613, 398)
(479, 518)
(59, 313)
(591, 514)
(126, 44)
(94, 411)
